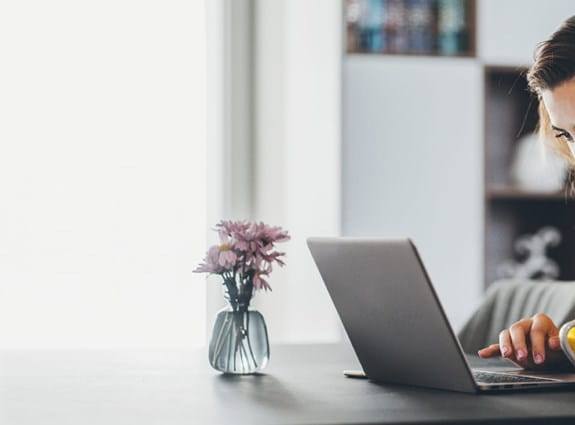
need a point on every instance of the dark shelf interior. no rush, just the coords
(510, 113)
(509, 219)
(510, 212)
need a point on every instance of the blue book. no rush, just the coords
(395, 24)
(420, 24)
(370, 25)
(451, 26)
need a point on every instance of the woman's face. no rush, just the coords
(560, 104)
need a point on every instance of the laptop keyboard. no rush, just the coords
(502, 378)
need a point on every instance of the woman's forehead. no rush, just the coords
(560, 104)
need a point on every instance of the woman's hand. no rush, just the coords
(532, 343)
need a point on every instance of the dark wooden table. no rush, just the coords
(303, 385)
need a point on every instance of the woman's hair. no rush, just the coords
(554, 65)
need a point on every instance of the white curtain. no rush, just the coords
(102, 173)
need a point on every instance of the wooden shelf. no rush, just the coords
(509, 193)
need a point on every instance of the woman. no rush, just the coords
(533, 343)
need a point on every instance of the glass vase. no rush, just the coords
(239, 343)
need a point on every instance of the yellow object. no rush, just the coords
(571, 338)
(567, 340)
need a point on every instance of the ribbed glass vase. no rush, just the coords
(239, 343)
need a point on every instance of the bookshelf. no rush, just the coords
(511, 210)
(411, 27)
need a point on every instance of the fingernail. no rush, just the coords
(521, 354)
(504, 350)
(538, 358)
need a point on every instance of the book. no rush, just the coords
(452, 30)
(420, 26)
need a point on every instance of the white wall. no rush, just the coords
(509, 30)
(298, 57)
(413, 167)
(229, 151)
(102, 173)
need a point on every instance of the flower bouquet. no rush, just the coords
(244, 259)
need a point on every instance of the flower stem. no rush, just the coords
(224, 330)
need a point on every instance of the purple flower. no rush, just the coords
(227, 258)
(246, 252)
(260, 283)
(219, 259)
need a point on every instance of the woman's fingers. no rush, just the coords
(538, 336)
(554, 343)
(531, 343)
(495, 350)
(517, 332)
(505, 343)
(542, 328)
(490, 351)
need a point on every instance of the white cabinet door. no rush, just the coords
(413, 164)
(509, 30)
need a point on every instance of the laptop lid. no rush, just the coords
(391, 313)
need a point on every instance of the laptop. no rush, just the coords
(396, 323)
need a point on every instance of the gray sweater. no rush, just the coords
(508, 301)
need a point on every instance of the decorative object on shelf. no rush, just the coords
(409, 26)
(536, 264)
(244, 260)
(536, 168)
